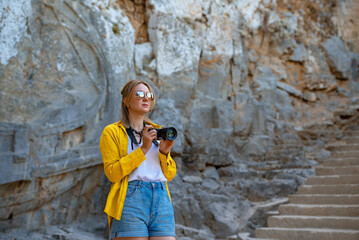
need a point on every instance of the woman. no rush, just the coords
(138, 205)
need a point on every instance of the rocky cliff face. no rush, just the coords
(244, 82)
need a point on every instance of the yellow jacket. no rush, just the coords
(118, 165)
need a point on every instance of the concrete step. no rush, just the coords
(333, 222)
(329, 189)
(320, 210)
(345, 199)
(351, 133)
(272, 213)
(244, 236)
(339, 162)
(340, 154)
(351, 140)
(346, 170)
(333, 179)
(341, 148)
(307, 234)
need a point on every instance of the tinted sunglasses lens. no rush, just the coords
(140, 94)
(149, 95)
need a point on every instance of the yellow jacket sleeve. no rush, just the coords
(115, 166)
(168, 166)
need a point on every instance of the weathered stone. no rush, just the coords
(289, 89)
(238, 171)
(282, 31)
(191, 212)
(195, 161)
(258, 190)
(189, 233)
(265, 78)
(169, 116)
(211, 173)
(192, 179)
(317, 71)
(143, 57)
(338, 56)
(14, 154)
(275, 104)
(177, 51)
(252, 56)
(284, 187)
(244, 112)
(13, 27)
(219, 157)
(210, 184)
(305, 173)
(229, 75)
(258, 144)
(261, 212)
(310, 97)
(299, 54)
(225, 216)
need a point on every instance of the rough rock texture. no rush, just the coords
(256, 89)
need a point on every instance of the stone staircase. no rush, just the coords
(327, 206)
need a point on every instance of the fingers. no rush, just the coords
(148, 136)
(166, 146)
(149, 132)
(169, 143)
(147, 128)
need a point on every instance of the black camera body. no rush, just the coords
(169, 133)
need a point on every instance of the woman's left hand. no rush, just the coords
(166, 146)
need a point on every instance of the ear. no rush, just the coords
(124, 100)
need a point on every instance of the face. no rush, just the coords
(140, 100)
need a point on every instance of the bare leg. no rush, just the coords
(162, 238)
(130, 238)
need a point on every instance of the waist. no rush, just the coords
(148, 184)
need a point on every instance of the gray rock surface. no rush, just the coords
(253, 87)
(299, 54)
(339, 58)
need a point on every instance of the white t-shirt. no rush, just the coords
(150, 169)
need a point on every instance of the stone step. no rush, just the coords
(320, 210)
(340, 162)
(351, 140)
(333, 179)
(341, 148)
(272, 213)
(351, 133)
(244, 236)
(333, 222)
(307, 234)
(329, 189)
(340, 154)
(345, 170)
(288, 147)
(345, 199)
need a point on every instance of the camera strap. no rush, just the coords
(130, 133)
(132, 137)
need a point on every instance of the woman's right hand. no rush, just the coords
(148, 136)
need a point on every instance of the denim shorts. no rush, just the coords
(147, 212)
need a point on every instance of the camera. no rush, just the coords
(169, 133)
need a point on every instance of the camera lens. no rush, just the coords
(166, 133)
(171, 133)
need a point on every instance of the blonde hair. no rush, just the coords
(127, 91)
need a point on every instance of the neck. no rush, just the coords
(136, 122)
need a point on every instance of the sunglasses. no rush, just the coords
(141, 95)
